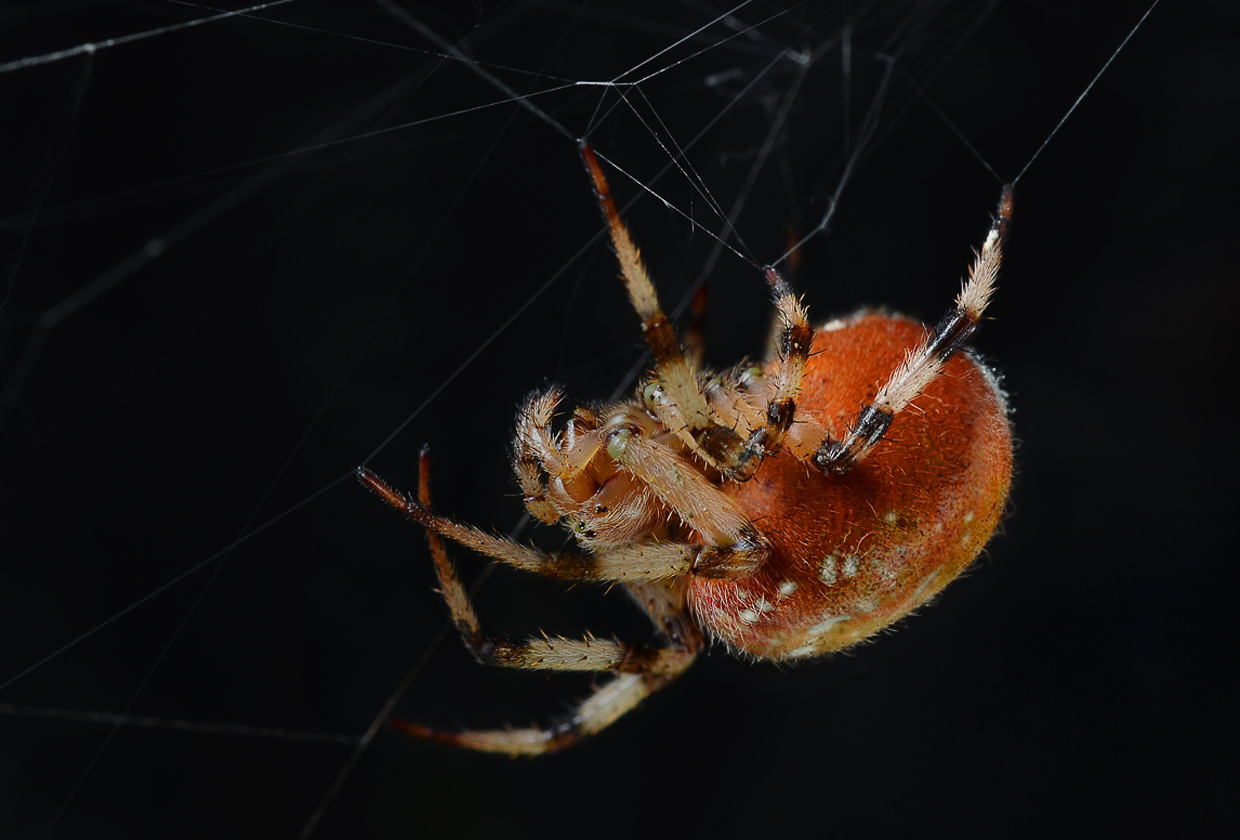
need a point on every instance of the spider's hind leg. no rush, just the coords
(640, 669)
(686, 408)
(609, 702)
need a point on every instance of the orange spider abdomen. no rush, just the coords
(853, 553)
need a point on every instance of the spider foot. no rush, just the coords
(512, 742)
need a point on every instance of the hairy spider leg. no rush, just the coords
(537, 454)
(642, 561)
(686, 409)
(597, 712)
(793, 339)
(923, 364)
(641, 669)
(684, 405)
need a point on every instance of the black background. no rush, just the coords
(1080, 679)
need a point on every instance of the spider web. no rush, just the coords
(250, 248)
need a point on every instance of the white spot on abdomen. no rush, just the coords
(826, 572)
(867, 605)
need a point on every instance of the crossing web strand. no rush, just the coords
(250, 247)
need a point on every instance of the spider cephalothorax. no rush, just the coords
(786, 511)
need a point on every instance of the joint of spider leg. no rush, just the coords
(482, 648)
(724, 446)
(828, 456)
(797, 341)
(764, 440)
(872, 424)
(836, 457)
(780, 414)
(951, 333)
(586, 416)
(746, 463)
(714, 385)
(739, 559)
(638, 659)
(661, 337)
(563, 734)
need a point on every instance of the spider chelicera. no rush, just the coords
(785, 510)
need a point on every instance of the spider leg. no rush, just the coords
(719, 445)
(450, 587)
(637, 561)
(792, 344)
(608, 703)
(538, 452)
(923, 364)
(680, 487)
(677, 397)
(643, 669)
(664, 601)
(554, 654)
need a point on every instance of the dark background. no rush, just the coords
(1081, 678)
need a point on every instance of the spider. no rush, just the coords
(785, 510)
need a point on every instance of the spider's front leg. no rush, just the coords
(924, 363)
(677, 398)
(686, 409)
(792, 343)
(804, 435)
